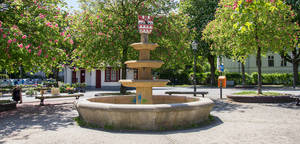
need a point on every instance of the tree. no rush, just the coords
(252, 26)
(33, 35)
(294, 56)
(107, 28)
(201, 12)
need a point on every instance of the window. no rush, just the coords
(112, 75)
(271, 61)
(283, 62)
(135, 74)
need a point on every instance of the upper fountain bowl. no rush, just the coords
(144, 46)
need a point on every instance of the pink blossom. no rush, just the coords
(71, 41)
(1, 30)
(20, 45)
(39, 6)
(14, 40)
(56, 25)
(29, 50)
(63, 65)
(22, 15)
(62, 33)
(9, 41)
(68, 35)
(41, 16)
(98, 17)
(101, 20)
(53, 58)
(56, 41)
(0, 23)
(100, 33)
(24, 37)
(272, 0)
(48, 24)
(27, 46)
(39, 53)
(91, 23)
(65, 50)
(4, 35)
(46, 56)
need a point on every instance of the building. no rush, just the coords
(97, 78)
(271, 63)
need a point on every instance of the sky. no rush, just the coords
(73, 3)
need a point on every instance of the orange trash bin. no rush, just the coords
(223, 79)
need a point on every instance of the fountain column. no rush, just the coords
(144, 65)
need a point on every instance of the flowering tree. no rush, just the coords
(252, 26)
(107, 28)
(294, 56)
(33, 35)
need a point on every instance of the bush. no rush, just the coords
(31, 92)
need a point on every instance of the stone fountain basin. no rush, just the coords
(167, 112)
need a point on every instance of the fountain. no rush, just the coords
(144, 111)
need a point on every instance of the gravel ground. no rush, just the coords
(234, 123)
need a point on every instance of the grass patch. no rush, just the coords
(254, 93)
(5, 101)
(83, 123)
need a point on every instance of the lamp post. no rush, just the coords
(194, 47)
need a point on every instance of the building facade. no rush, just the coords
(97, 78)
(271, 63)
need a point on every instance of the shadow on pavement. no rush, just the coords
(224, 105)
(49, 117)
(291, 105)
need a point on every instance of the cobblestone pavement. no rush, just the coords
(235, 123)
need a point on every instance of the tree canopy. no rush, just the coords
(34, 35)
(252, 26)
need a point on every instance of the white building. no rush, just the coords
(97, 78)
(271, 63)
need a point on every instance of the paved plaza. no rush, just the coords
(235, 123)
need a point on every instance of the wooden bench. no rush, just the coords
(185, 92)
(42, 97)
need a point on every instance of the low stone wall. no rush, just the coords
(260, 99)
(121, 113)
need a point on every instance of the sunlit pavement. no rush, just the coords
(234, 123)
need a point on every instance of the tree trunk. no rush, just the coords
(295, 74)
(55, 76)
(243, 74)
(124, 69)
(259, 80)
(211, 60)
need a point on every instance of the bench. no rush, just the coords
(297, 97)
(185, 92)
(42, 97)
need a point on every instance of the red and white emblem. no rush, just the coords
(145, 24)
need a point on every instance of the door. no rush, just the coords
(82, 76)
(98, 78)
(74, 80)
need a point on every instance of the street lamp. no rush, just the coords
(194, 47)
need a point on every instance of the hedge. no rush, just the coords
(186, 77)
